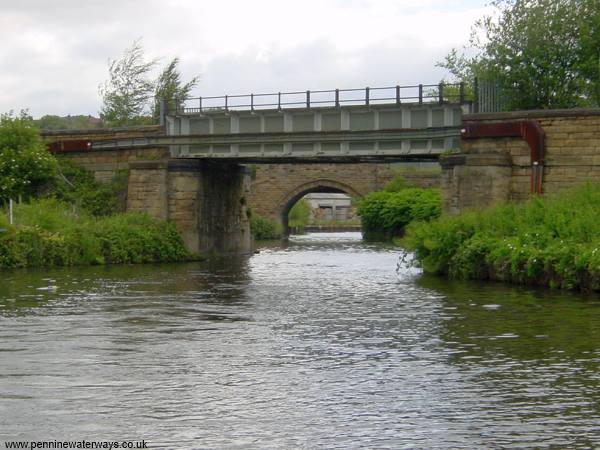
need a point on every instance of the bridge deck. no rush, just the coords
(380, 132)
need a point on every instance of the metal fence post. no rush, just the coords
(308, 99)
(420, 94)
(162, 112)
(367, 99)
(279, 100)
(397, 94)
(251, 102)
(441, 93)
(337, 98)
(476, 95)
(226, 103)
(200, 103)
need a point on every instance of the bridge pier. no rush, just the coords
(207, 201)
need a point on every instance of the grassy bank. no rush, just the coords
(68, 218)
(47, 232)
(552, 241)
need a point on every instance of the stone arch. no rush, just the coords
(288, 200)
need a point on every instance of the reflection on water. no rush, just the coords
(318, 343)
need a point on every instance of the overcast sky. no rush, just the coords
(54, 53)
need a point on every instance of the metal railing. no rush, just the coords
(490, 96)
(422, 93)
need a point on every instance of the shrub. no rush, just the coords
(299, 215)
(78, 186)
(25, 164)
(552, 241)
(385, 214)
(263, 229)
(397, 184)
(50, 233)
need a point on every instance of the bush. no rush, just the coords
(385, 214)
(552, 241)
(263, 229)
(25, 164)
(299, 215)
(397, 184)
(50, 233)
(78, 186)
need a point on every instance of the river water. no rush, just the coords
(321, 343)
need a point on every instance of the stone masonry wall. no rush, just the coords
(106, 163)
(275, 185)
(572, 156)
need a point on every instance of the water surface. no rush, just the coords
(317, 344)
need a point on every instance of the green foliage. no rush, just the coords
(171, 88)
(263, 229)
(52, 122)
(397, 184)
(552, 241)
(126, 94)
(545, 49)
(77, 186)
(25, 164)
(131, 97)
(385, 214)
(50, 233)
(299, 214)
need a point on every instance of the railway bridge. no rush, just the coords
(215, 159)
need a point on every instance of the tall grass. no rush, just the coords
(552, 241)
(47, 232)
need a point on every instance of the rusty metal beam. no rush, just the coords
(77, 145)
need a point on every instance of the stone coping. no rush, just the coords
(533, 114)
(101, 131)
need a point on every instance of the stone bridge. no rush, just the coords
(275, 188)
(194, 169)
(210, 201)
(502, 157)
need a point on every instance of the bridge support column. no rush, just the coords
(206, 201)
(474, 180)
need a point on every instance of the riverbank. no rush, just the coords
(47, 232)
(549, 241)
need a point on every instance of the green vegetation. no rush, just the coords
(545, 50)
(67, 217)
(52, 122)
(299, 215)
(263, 229)
(552, 241)
(170, 86)
(51, 233)
(78, 187)
(384, 215)
(131, 97)
(25, 164)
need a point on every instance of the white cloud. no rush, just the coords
(54, 54)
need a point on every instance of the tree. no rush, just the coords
(25, 163)
(126, 94)
(171, 88)
(546, 50)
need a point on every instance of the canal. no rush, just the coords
(326, 342)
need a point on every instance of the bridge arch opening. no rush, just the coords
(312, 187)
